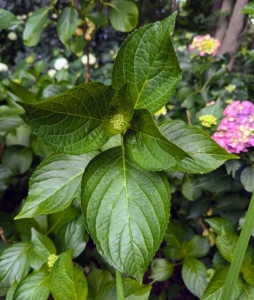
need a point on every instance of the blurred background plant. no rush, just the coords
(55, 45)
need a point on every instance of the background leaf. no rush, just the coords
(194, 276)
(67, 23)
(72, 236)
(43, 245)
(71, 122)
(156, 72)
(206, 153)
(7, 19)
(125, 209)
(147, 147)
(48, 192)
(247, 179)
(34, 26)
(66, 281)
(123, 15)
(34, 286)
(161, 269)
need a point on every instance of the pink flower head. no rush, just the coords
(236, 130)
(205, 44)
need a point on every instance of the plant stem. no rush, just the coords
(239, 253)
(119, 286)
(54, 7)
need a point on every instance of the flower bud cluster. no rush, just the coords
(236, 131)
(205, 44)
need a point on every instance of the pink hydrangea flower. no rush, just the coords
(205, 44)
(236, 131)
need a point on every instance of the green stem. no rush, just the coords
(239, 253)
(54, 7)
(119, 286)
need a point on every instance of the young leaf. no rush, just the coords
(66, 281)
(194, 276)
(216, 285)
(43, 245)
(206, 154)
(147, 147)
(123, 15)
(131, 288)
(154, 74)
(34, 26)
(34, 286)
(161, 269)
(50, 193)
(7, 19)
(67, 23)
(72, 236)
(14, 264)
(126, 210)
(18, 159)
(71, 121)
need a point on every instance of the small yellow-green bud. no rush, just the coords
(51, 260)
(162, 111)
(230, 88)
(118, 121)
(208, 120)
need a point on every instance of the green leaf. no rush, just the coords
(248, 275)
(49, 192)
(215, 182)
(14, 264)
(226, 243)
(34, 26)
(174, 235)
(22, 93)
(218, 223)
(7, 19)
(43, 245)
(67, 23)
(11, 291)
(132, 289)
(5, 175)
(66, 281)
(96, 279)
(214, 110)
(147, 147)
(98, 18)
(248, 292)
(247, 179)
(126, 210)
(206, 154)
(197, 246)
(161, 269)
(52, 90)
(39, 148)
(190, 188)
(121, 105)
(216, 285)
(154, 74)
(123, 15)
(71, 122)
(18, 159)
(194, 276)
(57, 220)
(9, 123)
(248, 9)
(72, 236)
(35, 262)
(34, 286)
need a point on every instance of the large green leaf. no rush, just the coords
(34, 286)
(132, 289)
(154, 74)
(71, 121)
(66, 281)
(206, 154)
(7, 19)
(72, 236)
(126, 210)
(194, 276)
(54, 184)
(67, 23)
(147, 147)
(43, 245)
(14, 264)
(123, 15)
(34, 26)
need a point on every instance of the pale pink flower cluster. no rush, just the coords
(205, 44)
(236, 131)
